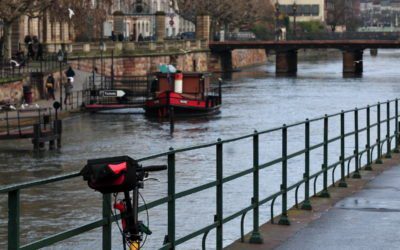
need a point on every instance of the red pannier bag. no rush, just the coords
(111, 175)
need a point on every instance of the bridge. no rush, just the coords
(286, 51)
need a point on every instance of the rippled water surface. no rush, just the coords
(252, 99)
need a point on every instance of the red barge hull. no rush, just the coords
(168, 102)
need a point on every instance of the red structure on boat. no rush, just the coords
(182, 94)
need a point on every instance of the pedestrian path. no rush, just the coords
(366, 215)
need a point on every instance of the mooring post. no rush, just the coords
(58, 131)
(36, 136)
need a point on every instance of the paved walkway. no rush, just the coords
(366, 215)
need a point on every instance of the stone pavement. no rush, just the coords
(366, 215)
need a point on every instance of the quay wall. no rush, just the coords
(11, 92)
(188, 62)
(142, 65)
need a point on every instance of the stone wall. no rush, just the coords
(11, 92)
(192, 61)
(241, 58)
(129, 66)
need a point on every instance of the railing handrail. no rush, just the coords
(356, 157)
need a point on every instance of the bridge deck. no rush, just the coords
(304, 44)
(362, 216)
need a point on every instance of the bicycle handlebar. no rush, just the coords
(153, 168)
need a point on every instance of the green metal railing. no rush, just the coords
(220, 219)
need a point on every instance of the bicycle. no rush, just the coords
(122, 174)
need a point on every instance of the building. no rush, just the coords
(380, 15)
(305, 10)
(133, 20)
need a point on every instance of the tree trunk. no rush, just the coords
(7, 40)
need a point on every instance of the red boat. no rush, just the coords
(182, 94)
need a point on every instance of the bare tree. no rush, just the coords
(225, 13)
(341, 12)
(12, 10)
(88, 17)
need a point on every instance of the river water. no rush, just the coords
(252, 99)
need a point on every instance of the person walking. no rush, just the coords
(70, 73)
(68, 90)
(50, 87)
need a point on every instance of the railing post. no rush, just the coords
(284, 220)
(325, 193)
(256, 236)
(396, 149)
(219, 215)
(171, 199)
(388, 150)
(306, 204)
(378, 139)
(342, 182)
(356, 174)
(13, 219)
(368, 146)
(107, 229)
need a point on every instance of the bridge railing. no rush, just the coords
(379, 131)
(326, 35)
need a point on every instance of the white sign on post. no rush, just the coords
(112, 93)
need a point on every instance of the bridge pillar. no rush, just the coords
(353, 62)
(286, 62)
(160, 26)
(226, 61)
(373, 52)
(203, 27)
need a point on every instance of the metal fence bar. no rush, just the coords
(219, 208)
(13, 219)
(378, 131)
(171, 200)
(284, 220)
(325, 192)
(107, 229)
(368, 146)
(388, 141)
(356, 150)
(342, 182)
(256, 236)
(306, 204)
(396, 148)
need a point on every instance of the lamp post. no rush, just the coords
(60, 58)
(294, 7)
(277, 13)
(102, 47)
